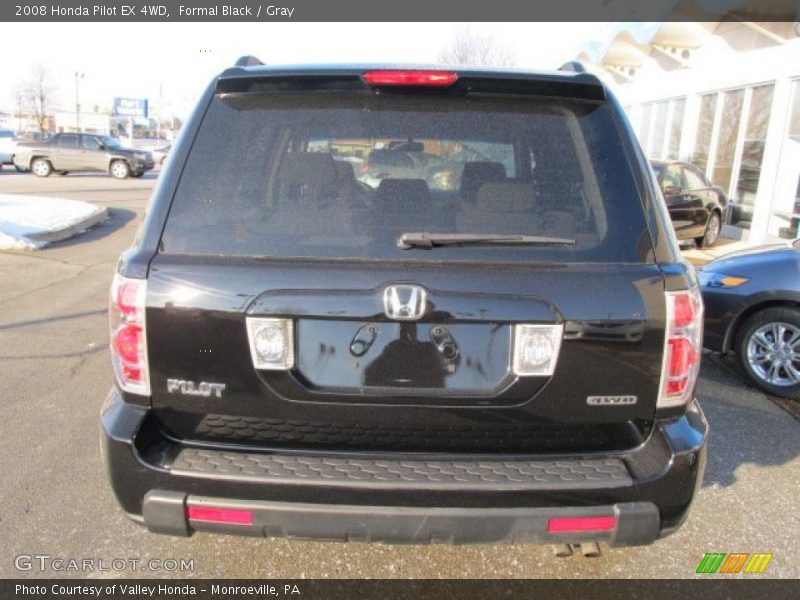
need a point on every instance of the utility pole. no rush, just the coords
(78, 76)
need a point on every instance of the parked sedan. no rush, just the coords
(696, 206)
(752, 304)
(160, 154)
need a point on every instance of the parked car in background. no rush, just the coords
(696, 206)
(66, 152)
(406, 160)
(160, 153)
(8, 145)
(752, 303)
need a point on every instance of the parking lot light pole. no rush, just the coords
(78, 76)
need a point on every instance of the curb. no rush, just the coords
(56, 235)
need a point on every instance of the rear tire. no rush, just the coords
(136, 174)
(62, 173)
(119, 169)
(41, 167)
(768, 344)
(713, 228)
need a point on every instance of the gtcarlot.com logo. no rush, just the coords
(735, 562)
(45, 562)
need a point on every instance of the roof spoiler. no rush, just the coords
(248, 61)
(573, 66)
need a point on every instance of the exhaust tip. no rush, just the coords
(562, 550)
(590, 549)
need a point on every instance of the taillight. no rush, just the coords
(410, 78)
(682, 347)
(129, 334)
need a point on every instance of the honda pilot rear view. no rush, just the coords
(406, 306)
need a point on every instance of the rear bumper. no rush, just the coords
(646, 491)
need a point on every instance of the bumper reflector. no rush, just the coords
(574, 524)
(219, 515)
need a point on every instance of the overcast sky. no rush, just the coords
(133, 60)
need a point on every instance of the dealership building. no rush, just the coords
(724, 96)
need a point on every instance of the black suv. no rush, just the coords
(508, 355)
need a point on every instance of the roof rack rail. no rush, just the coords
(248, 61)
(574, 66)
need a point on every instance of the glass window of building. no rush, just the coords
(644, 132)
(794, 135)
(794, 119)
(728, 135)
(753, 147)
(705, 127)
(676, 127)
(659, 129)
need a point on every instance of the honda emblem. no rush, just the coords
(405, 302)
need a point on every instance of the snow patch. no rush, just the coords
(23, 217)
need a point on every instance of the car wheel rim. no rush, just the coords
(40, 168)
(773, 353)
(118, 170)
(712, 230)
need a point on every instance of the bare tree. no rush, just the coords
(471, 48)
(37, 93)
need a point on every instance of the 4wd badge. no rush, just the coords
(611, 400)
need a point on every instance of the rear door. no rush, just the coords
(265, 225)
(704, 197)
(93, 154)
(682, 203)
(66, 152)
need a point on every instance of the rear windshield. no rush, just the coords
(330, 175)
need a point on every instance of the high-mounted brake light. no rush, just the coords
(129, 334)
(410, 78)
(682, 347)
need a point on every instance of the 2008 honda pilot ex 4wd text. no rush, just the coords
(406, 305)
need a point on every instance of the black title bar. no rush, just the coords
(401, 10)
(711, 588)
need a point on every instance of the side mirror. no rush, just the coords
(672, 190)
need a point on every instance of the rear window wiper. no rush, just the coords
(433, 240)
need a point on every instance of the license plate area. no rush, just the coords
(411, 358)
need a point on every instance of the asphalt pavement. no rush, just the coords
(54, 499)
